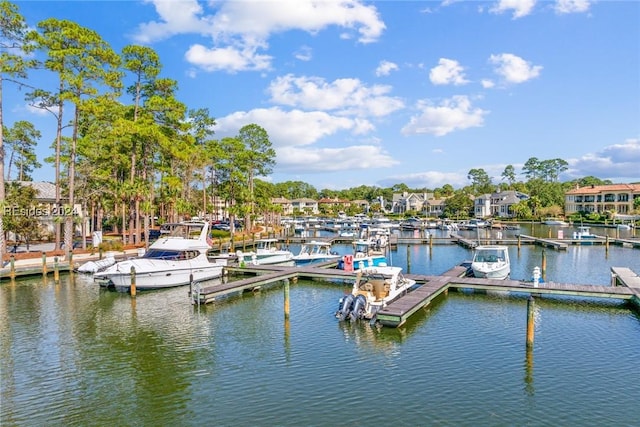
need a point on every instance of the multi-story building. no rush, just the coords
(497, 204)
(617, 198)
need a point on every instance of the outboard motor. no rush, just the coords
(345, 307)
(358, 307)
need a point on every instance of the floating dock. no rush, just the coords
(625, 287)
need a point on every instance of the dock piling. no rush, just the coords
(544, 265)
(44, 263)
(286, 299)
(56, 273)
(12, 266)
(530, 321)
(132, 288)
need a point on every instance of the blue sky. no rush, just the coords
(378, 93)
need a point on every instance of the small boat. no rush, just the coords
(584, 232)
(97, 265)
(555, 221)
(491, 262)
(365, 254)
(175, 259)
(373, 289)
(266, 253)
(313, 252)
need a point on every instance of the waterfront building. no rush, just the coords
(616, 198)
(497, 204)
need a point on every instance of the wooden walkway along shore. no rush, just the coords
(627, 287)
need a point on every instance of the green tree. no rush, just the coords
(260, 158)
(21, 221)
(14, 64)
(460, 205)
(84, 63)
(509, 174)
(22, 140)
(480, 181)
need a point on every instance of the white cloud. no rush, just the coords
(344, 96)
(514, 69)
(241, 26)
(357, 157)
(448, 71)
(291, 128)
(303, 54)
(385, 68)
(452, 114)
(227, 58)
(618, 161)
(487, 84)
(572, 6)
(520, 8)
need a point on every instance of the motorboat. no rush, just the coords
(175, 259)
(365, 254)
(373, 289)
(584, 232)
(313, 252)
(555, 221)
(267, 252)
(491, 262)
(97, 265)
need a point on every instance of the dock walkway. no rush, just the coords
(396, 313)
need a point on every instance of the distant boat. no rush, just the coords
(555, 221)
(266, 253)
(491, 262)
(584, 232)
(364, 255)
(313, 252)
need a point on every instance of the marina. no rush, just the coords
(185, 355)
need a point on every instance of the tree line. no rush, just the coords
(128, 150)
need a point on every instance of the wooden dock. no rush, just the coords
(268, 275)
(396, 313)
(551, 243)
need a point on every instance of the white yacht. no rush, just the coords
(173, 260)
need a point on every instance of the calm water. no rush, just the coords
(74, 354)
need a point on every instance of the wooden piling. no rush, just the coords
(519, 241)
(132, 288)
(56, 273)
(606, 245)
(530, 321)
(44, 263)
(430, 240)
(12, 266)
(544, 265)
(286, 299)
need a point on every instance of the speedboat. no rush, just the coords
(373, 289)
(491, 262)
(365, 254)
(266, 253)
(584, 232)
(174, 259)
(555, 221)
(313, 252)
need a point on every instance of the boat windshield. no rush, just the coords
(170, 255)
(489, 255)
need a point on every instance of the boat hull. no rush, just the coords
(490, 272)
